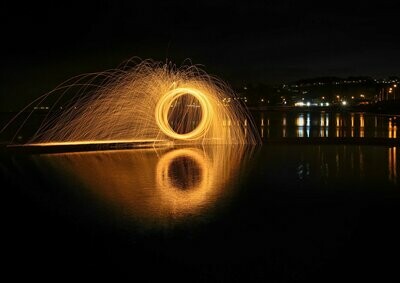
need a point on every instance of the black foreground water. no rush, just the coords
(280, 212)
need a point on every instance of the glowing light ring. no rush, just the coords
(99, 107)
(185, 199)
(164, 106)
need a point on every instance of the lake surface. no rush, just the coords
(270, 124)
(325, 124)
(280, 212)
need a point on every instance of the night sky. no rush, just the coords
(238, 41)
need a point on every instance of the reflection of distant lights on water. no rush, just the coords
(361, 126)
(392, 129)
(300, 121)
(392, 164)
(352, 127)
(300, 132)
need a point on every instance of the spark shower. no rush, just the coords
(142, 101)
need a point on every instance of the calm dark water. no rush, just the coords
(321, 124)
(278, 212)
(270, 124)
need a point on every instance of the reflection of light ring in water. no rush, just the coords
(191, 197)
(164, 105)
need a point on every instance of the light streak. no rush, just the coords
(153, 187)
(136, 102)
(163, 107)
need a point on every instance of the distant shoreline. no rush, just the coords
(378, 108)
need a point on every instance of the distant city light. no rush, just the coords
(344, 102)
(309, 104)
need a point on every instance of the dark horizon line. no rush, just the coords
(328, 79)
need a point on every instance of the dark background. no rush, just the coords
(307, 233)
(265, 41)
(289, 220)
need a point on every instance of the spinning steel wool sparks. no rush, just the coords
(143, 101)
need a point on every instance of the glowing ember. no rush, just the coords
(136, 101)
